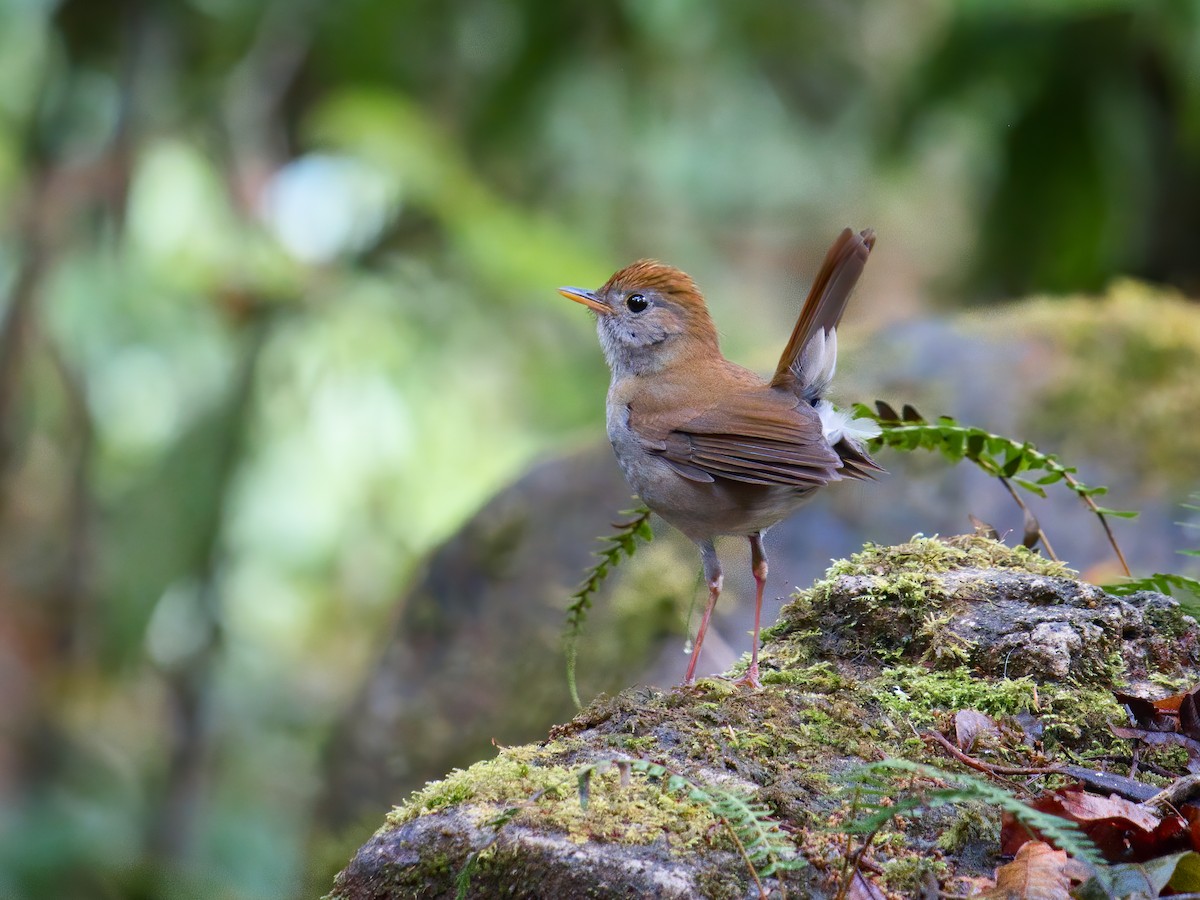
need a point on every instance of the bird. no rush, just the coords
(709, 446)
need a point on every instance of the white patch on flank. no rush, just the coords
(839, 423)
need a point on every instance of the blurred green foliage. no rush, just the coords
(279, 313)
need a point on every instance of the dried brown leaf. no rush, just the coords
(982, 528)
(1189, 716)
(1146, 713)
(1122, 830)
(970, 725)
(1085, 808)
(1033, 530)
(862, 889)
(1039, 872)
(1163, 739)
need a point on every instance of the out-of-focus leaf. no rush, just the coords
(1145, 881)
(518, 252)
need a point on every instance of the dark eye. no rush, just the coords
(636, 303)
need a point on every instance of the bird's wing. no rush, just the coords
(757, 436)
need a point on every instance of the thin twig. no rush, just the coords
(988, 768)
(1075, 486)
(1178, 793)
(1029, 513)
(854, 861)
(75, 600)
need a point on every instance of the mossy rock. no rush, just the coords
(997, 610)
(890, 644)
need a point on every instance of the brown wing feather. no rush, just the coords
(827, 297)
(761, 471)
(724, 421)
(760, 436)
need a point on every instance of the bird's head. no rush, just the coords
(648, 316)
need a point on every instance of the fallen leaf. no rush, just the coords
(1084, 808)
(1191, 812)
(1179, 870)
(1147, 714)
(970, 725)
(1031, 726)
(1122, 830)
(983, 529)
(1189, 716)
(862, 889)
(1163, 739)
(1186, 878)
(1039, 872)
(1178, 712)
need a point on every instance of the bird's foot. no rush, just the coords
(750, 679)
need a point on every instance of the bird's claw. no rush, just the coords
(750, 679)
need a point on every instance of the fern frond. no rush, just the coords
(1186, 590)
(1182, 587)
(765, 846)
(623, 542)
(1163, 582)
(875, 778)
(998, 456)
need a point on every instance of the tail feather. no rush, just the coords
(807, 363)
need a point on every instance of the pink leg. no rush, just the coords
(758, 562)
(712, 574)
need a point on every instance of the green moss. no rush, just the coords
(923, 556)
(973, 823)
(1172, 683)
(892, 603)
(918, 694)
(640, 745)
(823, 712)
(506, 778)
(908, 873)
(1076, 717)
(637, 813)
(820, 677)
(1168, 621)
(943, 647)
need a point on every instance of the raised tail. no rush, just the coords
(808, 360)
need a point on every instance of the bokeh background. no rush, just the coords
(279, 314)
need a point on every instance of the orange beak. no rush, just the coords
(587, 298)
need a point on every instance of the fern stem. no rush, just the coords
(622, 543)
(1045, 541)
(741, 848)
(1074, 485)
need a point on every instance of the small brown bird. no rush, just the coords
(708, 445)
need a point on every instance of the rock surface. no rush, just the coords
(860, 667)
